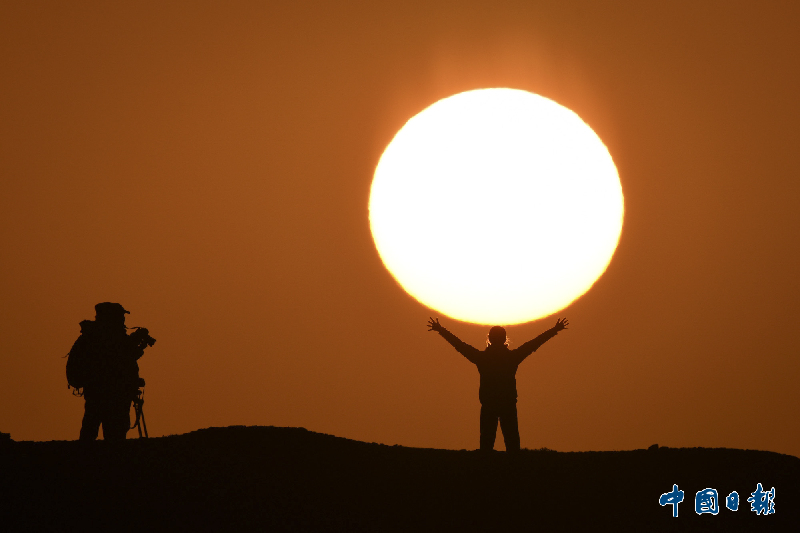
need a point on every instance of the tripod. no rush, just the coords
(138, 402)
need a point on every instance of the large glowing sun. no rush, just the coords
(496, 206)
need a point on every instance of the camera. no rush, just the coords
(142, 335)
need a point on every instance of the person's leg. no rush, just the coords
(90, 426)
(509, 424)
(488, 427)
(117, 420)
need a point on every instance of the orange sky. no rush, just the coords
(208, 166)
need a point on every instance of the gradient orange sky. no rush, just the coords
(208, 166)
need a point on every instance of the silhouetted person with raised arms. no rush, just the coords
(497, 365)
(102, 366)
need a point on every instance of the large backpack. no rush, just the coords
(79, 360)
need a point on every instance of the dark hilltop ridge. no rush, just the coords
(290, 479)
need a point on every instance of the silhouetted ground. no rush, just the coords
(290, 479)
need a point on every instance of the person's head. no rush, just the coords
(497, 336)
(109, 313)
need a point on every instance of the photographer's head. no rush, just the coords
(109, 313)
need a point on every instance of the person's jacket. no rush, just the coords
(498, 365)
(112, 361)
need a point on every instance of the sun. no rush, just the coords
(496, 206)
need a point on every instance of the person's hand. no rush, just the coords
(433, 325)
(561, 323)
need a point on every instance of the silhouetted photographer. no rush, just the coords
(497, 365)
(102, 367)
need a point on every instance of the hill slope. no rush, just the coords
(290, 479)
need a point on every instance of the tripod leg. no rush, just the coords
(137, 408)
(143, 425)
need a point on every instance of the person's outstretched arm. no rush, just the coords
(470, 352)
(532, 345)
